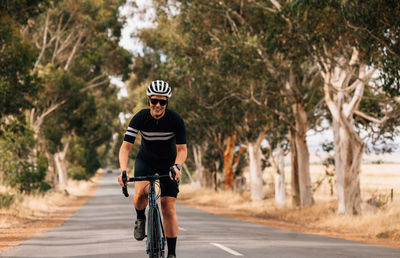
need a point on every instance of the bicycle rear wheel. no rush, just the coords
(154, 234)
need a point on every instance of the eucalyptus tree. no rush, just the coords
(293, 75)
(80, 39)
(210, 104)
(19, 87)
(77, 47)
(223, 50)
(347, 60)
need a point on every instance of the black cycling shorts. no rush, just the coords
(167, 185)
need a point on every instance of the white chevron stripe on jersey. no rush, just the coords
(132, 129)
(157, 133)
(161, 138)
(131, 134)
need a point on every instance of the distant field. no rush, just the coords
(375, 178)
(377, 224)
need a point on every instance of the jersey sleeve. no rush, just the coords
(133, 128)
(180, 131)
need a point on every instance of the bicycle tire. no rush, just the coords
(154, 234)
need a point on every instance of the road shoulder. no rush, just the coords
(36, 224)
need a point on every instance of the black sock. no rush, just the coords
(171, 242)
(140, 214)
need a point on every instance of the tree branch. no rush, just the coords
(44, 45)
(370, 118)
(94, 85)
(284, 118)
(359, 91)
(57, 39)
(38, 123)
(387, 47)
(73, 51)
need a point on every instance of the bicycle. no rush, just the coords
(155, 244)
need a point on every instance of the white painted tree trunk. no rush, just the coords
(256, 173)
(348, 155)
(280, 195)
(51, 171)
(197, 153)
(342, 99)
(59, 159)
(303, 156)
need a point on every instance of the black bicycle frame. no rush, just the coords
(152, 204)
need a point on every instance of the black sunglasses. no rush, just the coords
(162, 102)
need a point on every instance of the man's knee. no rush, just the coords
(168, 206)
(140, 196)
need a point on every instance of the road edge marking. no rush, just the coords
(227, 249)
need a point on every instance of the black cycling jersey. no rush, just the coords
(159, 137)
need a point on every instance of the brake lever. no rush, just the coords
(173, 176)
(124, 180)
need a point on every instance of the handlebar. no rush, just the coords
(144, 178)
(124, 188)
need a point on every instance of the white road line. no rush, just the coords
(227, 249)
(181, 229)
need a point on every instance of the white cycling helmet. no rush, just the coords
(160, 88)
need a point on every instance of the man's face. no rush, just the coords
(156, 109)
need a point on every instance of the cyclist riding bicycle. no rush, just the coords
(163, 146)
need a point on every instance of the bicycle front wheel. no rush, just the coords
(154, 234)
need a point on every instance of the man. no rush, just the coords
(163, 146)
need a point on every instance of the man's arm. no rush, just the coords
(124, 151)
(180, 158)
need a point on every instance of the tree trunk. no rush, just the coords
(256, 173)
(343, 96)
(303, 156)
(51, 171)
(280, 195)
(339, 164)
(348, 157)
(59, 159)
(295, 188)
(197, 153)
(228, 160)
(185, 168)
(242, 149)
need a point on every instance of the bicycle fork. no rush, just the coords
(153, 205)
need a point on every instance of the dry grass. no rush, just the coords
(31, 215)
(379, 225)
(31, 206)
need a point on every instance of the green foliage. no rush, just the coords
(77, 172)
(64, 84)
(242, 164)
(21, 167)
(23, 10)
(18, 86)
(377, 23)
(329, 167)
(6, 200)
(379, 200)
(83, 158)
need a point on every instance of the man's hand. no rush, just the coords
(120, 179)
(177, 174)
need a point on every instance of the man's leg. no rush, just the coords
(140, 200)
(170, 222)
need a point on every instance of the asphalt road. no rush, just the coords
(103, 228)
